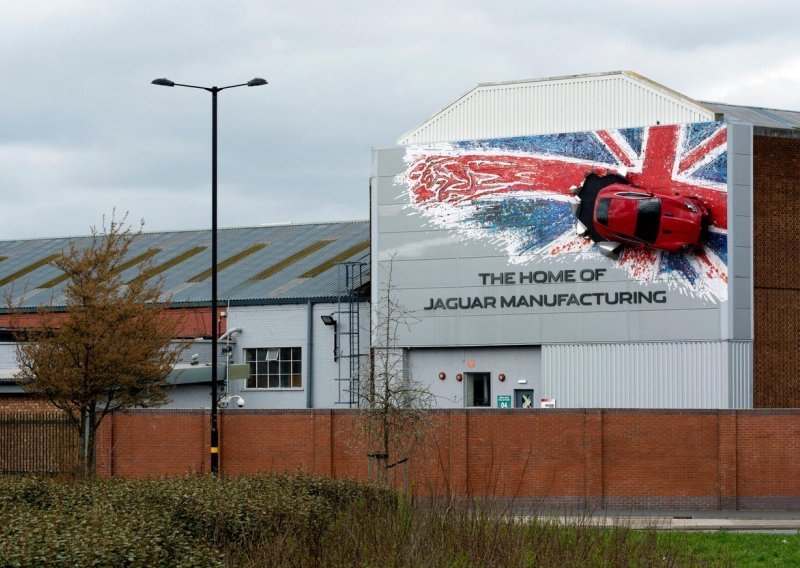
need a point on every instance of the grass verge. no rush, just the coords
(729, 548)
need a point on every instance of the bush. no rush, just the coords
(186, 522)
(278, 520)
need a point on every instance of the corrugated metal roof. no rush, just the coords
(304, 257)
(617, 99)
(574, 103)
(758, 116)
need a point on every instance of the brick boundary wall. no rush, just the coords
(621, 459)
(24, 402)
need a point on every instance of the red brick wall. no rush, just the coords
(594, 458)
(776, 268)
(768, 456)
(153, 444)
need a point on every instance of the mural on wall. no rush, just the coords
(651, 201)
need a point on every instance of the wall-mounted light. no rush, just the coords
(330, 320)
(442, 376)
(501, 377)
(459, 377)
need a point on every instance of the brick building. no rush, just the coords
(776, 283)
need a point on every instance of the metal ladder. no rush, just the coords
(350, 358)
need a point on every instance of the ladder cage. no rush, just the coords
(353, 276)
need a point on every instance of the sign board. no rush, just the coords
(503, 401)
(548, 403)
(494, 242)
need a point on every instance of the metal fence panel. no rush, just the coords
(37, 442)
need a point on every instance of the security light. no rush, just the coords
(330, 320)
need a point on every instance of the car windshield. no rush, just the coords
(602, 210)
(648, 219)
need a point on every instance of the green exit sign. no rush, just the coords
(503, 401)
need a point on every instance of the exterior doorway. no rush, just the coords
(478, 389)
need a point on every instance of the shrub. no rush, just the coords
(279, 520)
(184, 522)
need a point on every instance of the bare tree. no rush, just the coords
(393, 412)
(110, 349)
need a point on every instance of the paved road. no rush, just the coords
(760, 521)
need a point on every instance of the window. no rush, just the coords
(602, 210)
(648, 219)
(274, 368)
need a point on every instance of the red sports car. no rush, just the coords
(629, 215)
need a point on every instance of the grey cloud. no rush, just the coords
(82, 130)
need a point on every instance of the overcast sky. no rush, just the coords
(82, 131)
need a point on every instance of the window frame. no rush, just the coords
(274, 368)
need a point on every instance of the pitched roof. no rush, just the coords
(267, 264)
(569, 103)
(593, 101)
(758, 116)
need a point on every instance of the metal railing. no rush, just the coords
(41, 442)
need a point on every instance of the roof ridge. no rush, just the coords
(183, 231)
(748, 106)
(554, 78)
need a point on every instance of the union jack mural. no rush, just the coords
(516, 192)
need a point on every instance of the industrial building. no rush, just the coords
(295, 317)
(486, 217)
(493, 219)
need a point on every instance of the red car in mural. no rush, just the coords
(624, 214)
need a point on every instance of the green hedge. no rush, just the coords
(194, 521)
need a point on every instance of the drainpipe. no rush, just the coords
(310, 357)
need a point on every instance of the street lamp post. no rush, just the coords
(256, 82)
